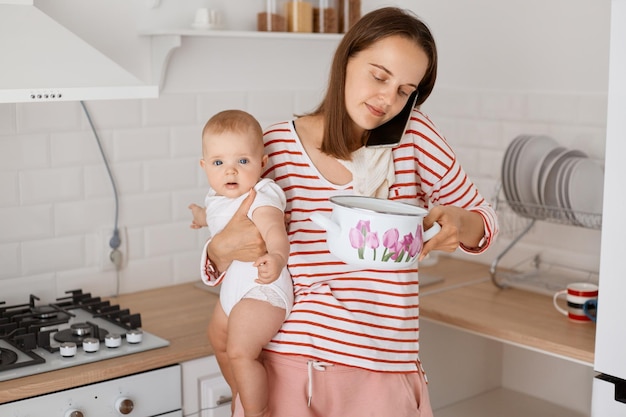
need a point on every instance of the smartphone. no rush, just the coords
(390, 133)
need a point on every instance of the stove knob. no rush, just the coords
(134, 336)
(91, 344)
(124, 405)
(67, 349)
(113, 340)
(74, 413)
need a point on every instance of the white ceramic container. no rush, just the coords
(375, 233)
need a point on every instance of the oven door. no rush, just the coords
(152, 393)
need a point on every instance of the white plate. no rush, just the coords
(549, 185)
(586, 189)
(530, 156)
(508, 183)
(541, 171)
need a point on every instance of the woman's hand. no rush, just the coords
(239, 240)
(457, 226)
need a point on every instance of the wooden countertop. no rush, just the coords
(465, 299)
(178, 313)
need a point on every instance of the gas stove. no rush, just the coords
(75, 330)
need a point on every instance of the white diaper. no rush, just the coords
(239, 283)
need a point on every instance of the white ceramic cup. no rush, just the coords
(375, 233)
(202, 16)
(206, 18)
(576, 295)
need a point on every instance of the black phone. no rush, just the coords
(390, 133)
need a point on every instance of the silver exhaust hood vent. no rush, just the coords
(42, 61)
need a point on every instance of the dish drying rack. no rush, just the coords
(532, 273)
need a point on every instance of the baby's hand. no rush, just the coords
(199, 216)
(269, 267)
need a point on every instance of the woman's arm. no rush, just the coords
(459, 226)
(239, 240)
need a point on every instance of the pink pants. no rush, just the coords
(303, 389)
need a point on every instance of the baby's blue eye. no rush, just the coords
(243, 161)
(217, 163)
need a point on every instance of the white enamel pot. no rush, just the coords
(375, 233)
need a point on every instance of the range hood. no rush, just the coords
(42, 61)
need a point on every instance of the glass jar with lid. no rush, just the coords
(272, 17)
(325, 17)
(299, 15)
(349, 12)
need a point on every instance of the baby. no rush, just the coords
(255, 298)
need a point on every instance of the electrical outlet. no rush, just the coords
(111, 260)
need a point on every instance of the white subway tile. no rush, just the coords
(168, 239)
(17, 290)
(141, 144)
(77, 217)
(503, 106)
(7, 119)
(187, 141)
(181, 201)
(271, 105)
(60, 184)
(170, 109)
(552, 107)
(75, 148)
(98, 283)
(170, 174)
(55, 254)
(214, 102)
(63, 115)
(187, 267)
(114, 114)
(480, 133)
(9, 189)
(144, 274)
(592, 109)
(24, 152)
(10, 261)
(128, 177)
(25, 223)
(145, 209)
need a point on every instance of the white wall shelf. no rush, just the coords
(166, 40)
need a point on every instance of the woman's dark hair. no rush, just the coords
(371, 28)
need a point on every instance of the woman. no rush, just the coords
(350, 345)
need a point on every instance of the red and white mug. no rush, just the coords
(577, 294)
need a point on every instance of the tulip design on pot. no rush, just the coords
(395, 249)
(375, 233)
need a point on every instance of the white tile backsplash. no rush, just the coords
(51, 185)
(18, 152)
(169, 174)
(57, 254)
(25, 223)
(141, 144)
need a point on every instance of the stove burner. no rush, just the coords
(80, 331)
(44, 312)
(7, 357)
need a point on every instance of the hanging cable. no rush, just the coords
(115, 241)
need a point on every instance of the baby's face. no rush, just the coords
(233, 162)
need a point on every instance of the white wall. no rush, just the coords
(505, 68)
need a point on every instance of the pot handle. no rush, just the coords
(430, 233)
(325, 222)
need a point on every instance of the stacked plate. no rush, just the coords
(541, 179)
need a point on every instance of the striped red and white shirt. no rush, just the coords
(363, 318)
